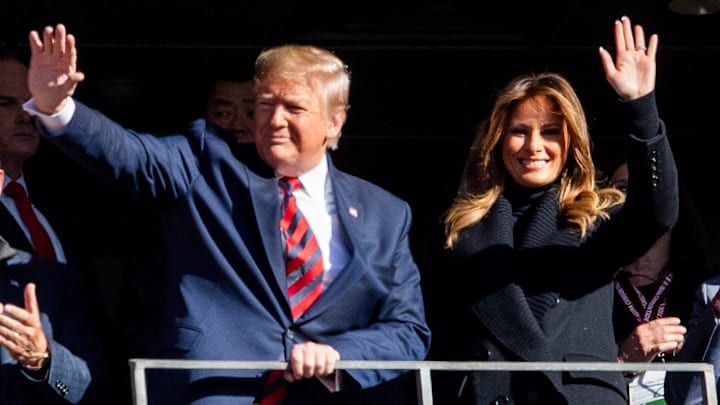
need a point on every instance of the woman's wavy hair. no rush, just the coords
(582, 198)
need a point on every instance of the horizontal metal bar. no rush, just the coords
(422, 368)
(435, 365)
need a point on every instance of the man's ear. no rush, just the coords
(335, 124)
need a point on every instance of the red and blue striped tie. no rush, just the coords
(303, 268)
(304, 264)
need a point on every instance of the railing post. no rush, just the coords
(709, 390)
(424, 385)
(139, 389)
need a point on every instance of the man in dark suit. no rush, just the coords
(227, 295)
(25, 165)
(19, 141)
(49, 348)
(702, 345)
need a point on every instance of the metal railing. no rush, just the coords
(422, 370)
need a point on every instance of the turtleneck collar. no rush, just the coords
(521, 198)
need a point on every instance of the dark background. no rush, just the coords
(424, 74)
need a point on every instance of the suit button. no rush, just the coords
(289, 333)
(501, 400)
(483, 355)
(62, 387)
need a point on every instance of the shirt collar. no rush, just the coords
(20, 180)
(313, 181)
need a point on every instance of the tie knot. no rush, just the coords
(15, 191)
(290, 184)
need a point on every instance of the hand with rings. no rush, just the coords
(649, 339)
(632, 73)
(21, 330)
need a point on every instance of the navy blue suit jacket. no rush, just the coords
(226, 294)
(78, 372)
(702, 344)
(12, 232)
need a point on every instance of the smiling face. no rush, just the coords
(292, 125)
(534, 143)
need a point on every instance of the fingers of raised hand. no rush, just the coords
(628, 42)
(54, 40)
(639, 39)
(631, 38)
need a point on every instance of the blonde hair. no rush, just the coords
(582, 199)
(318, 66)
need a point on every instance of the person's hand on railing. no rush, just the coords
(649, 339)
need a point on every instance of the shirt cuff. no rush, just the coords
(54, 124)
(39, 375)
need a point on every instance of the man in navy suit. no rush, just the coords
(19, 142)
(702, 345)
(50, 352)
(227, 293)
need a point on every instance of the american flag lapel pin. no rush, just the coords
(353, 212)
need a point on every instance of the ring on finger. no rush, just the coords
(640, 48)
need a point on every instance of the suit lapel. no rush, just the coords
(352, 217)
(13, 277)
(266, 204)
(12, 232)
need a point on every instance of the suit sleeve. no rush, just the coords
(398, 329)
(652, 204)
(141, 163)
(79, 366)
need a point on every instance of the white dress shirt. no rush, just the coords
(9, 203)
(315, 200)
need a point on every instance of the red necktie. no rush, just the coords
(304, 269)
(39, 236)
(304, 264)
